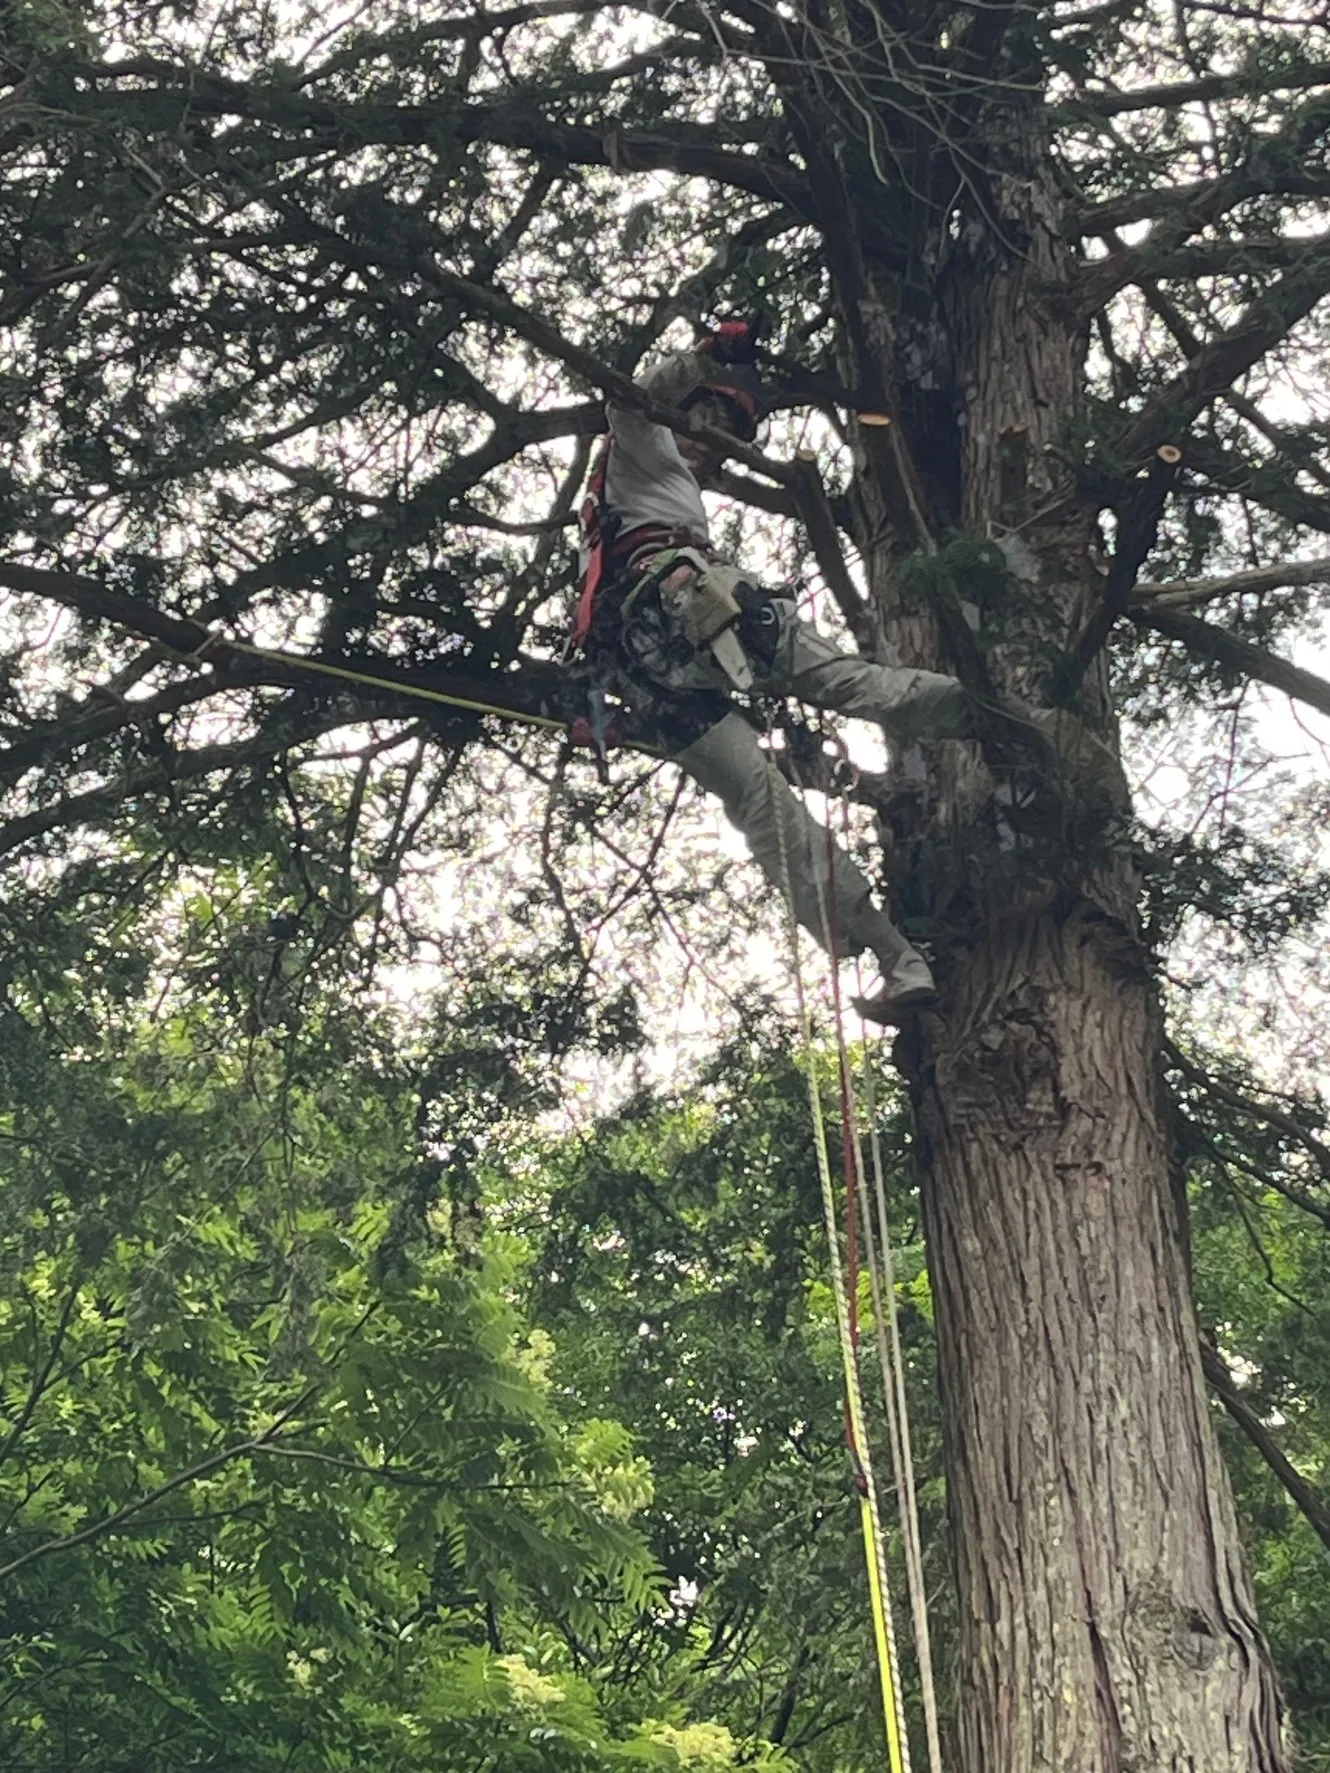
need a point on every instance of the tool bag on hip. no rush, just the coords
(698, 598)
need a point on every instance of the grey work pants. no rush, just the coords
(792, 658)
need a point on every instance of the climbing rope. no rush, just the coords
(859, 1215)
(367, 680)
(893, 1712)
(891, 1362)
(886, 1327)
(843, 1286)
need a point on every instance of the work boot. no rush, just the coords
(1069, 751)
(1089, 763)
(906, 985)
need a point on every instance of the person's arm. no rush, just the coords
(641, 440)
(647, 449)
(674, 378)
(670, 380)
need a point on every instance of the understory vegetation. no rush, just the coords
(355, 1416)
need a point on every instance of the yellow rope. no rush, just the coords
(892, 1361)
(321, 668)
(874, 1551)
(893, 1711)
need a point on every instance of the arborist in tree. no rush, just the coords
(683, 628)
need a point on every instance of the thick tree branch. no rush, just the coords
(820, 525)
(1304, 1494)
(1192, 207)
(1268, 484)
(1178, 325)
(1266, 1112)
(97, 807)
(537, 692)
(757, 493)
(1189, 92)
(185, 93)
(1207, 641)
(1144, 266)
(1282, 164)
(1222, 360)
(101, 715)
(1138, 525)
(1180, 593)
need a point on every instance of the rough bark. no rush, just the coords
(1107, 1623)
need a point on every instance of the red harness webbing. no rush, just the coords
(592, 522)
(605, 550)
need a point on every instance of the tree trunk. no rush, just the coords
(1107, 1622)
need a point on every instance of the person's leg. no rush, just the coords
(783, 836)
(720, 751)
(792, 658)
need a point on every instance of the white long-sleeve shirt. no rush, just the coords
(646, 479)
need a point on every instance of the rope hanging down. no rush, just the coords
(898, 1747)
(845, 1287)
(891, 1360)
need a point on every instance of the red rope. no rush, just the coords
(849, 1147)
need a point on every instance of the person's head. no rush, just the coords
(730, 406)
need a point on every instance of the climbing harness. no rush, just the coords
(601, 547)
(606, 555)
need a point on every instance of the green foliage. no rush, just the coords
(1261, 1227)
(683, 1279)
(1256, 890)
(963, 570)
(281, 1478)
(504, 1443)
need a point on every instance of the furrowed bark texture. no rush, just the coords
(1108, 1621)
(1107, 1624)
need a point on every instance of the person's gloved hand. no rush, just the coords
(734, 341)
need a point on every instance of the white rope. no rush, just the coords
(898, 1741)
(891, 1358)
